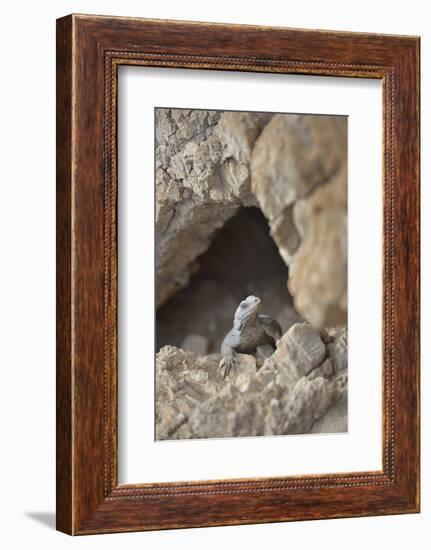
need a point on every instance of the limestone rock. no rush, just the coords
(294, 154)
(337, 347)
(334, 421)
(184, 380)
(318, 271)
(202, 177)
(325, 370)
(295, 388)
(294, 167)
(298, 352)
(309, 400)
(299, 177)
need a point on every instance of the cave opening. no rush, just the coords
(241, 260)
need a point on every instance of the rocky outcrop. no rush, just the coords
(293, 392)
(318, 270)
(293, 167)
(299, 177)
(202, 177)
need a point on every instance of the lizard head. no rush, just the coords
(247, 312)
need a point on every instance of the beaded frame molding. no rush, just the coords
(89, 51)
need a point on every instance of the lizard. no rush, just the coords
(251, 330)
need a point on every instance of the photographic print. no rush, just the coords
(206, 223)
(251, 273)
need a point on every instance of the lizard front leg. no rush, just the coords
(227, 362)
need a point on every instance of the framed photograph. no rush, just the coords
(237, 274)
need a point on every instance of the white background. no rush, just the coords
(141, 458)
(27, 275)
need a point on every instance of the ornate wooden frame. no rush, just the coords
(89, 51)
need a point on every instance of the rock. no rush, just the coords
(299, 177)
(210, 163)
(195, 343)
(337, 347)
(295, 388)
(202, 177)
(244, 371)
(294, 168)
(318, 270)
(293, 155)
(182, 382)
(335, 419)
(325, 370)
(298, 352)
(237, 133)
(307, 402)
(228, 414)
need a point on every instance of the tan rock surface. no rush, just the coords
(293, 167)
(299, 177)
(318, 270)
(293, 390)
(202, 177)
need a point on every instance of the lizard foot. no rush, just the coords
(226, 365)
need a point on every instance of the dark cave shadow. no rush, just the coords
(206, 306)
(45, 518)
